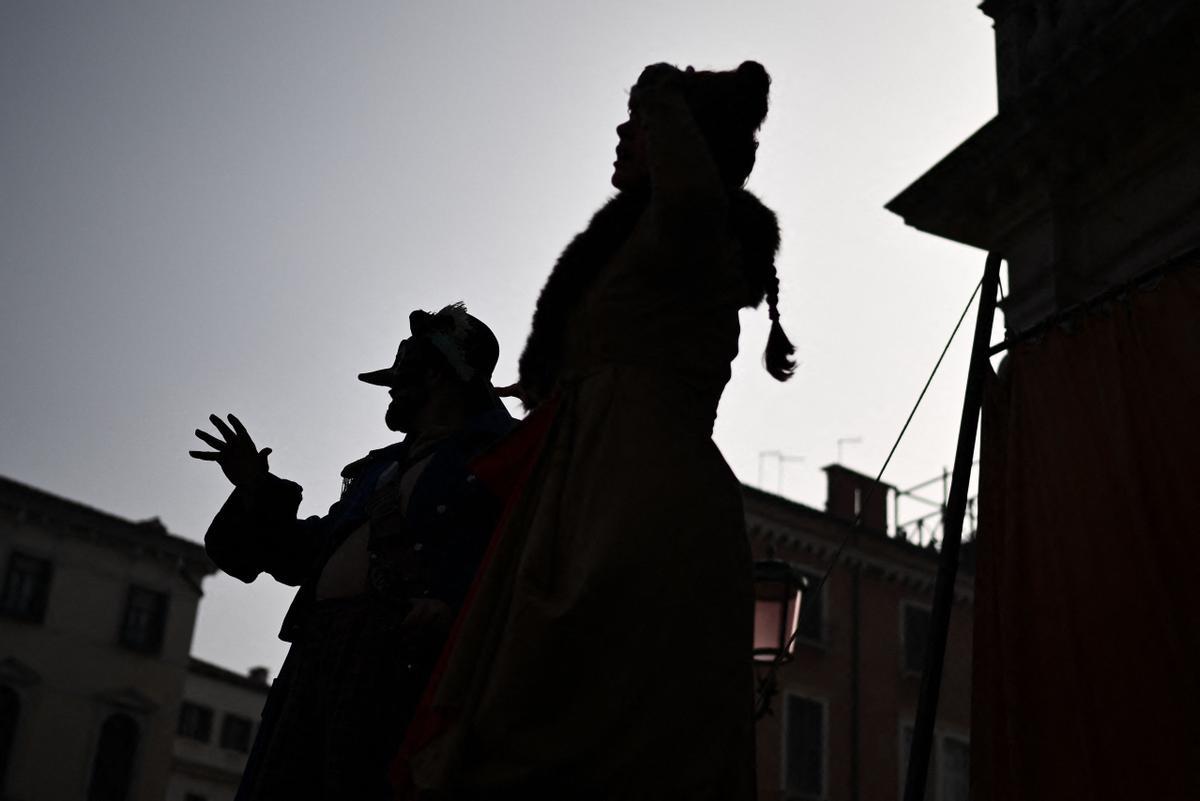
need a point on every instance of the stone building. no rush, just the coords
(1089, 174)
(1087, 182)
(96, 621)
(217, 722)
(840, 723)
(100, 700)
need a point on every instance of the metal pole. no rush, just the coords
(943, 592)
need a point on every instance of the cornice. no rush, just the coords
(1083, 122)
(800, 529)
(209, 670)
(129, 699)
(29, 505)
(915, 576)
(200, 770)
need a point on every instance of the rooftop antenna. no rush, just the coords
(781, 459)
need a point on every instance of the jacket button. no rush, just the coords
(416, 547)
(441, 509)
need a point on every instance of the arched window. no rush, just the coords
(112, 770)
(10, 709)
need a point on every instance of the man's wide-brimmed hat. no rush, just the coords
(468, 346)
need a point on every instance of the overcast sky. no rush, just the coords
(233, 206)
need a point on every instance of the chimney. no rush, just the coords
(849, 493)
(260, 675)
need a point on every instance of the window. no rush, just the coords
(948, 777)
(195, 722)
(804, 747)
(235, 733)
(10, 710)
(145, 619)
(812, 611)
(916, 637)
(956, 769)
(113, 766)
(26, 588)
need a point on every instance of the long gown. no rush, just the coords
(607, 652)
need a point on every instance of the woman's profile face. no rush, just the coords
(630, 170)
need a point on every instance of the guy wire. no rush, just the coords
(766, 684)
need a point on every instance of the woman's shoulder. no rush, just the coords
(744, 241)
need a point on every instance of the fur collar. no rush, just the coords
(753, 225)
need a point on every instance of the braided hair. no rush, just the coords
(757, 232)
(729, 108)
(777, 358)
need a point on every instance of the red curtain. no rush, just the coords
(1087, 618)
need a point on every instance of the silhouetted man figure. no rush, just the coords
(380, 575)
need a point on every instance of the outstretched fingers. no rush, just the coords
(219, 424)
(209, 439)
(206, 456)
(242, 432)
(237, 426)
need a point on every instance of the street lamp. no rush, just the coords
(778, 591)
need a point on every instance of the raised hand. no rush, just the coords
(239, 459)
(656, 81)
(658, 76)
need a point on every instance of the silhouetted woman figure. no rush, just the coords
(607, 652)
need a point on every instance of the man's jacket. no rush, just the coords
(431, 550)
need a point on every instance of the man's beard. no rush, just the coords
(403, 409)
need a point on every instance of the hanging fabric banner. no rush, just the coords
(1087, 616)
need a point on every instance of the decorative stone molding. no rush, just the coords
(1088, 174)
(128, 699)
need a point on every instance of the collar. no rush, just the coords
(490, 424)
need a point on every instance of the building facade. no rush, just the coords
(1087, 183)
(840, 724)
(96, 621)
(99, 698)
(1089, 175)
(217, 722)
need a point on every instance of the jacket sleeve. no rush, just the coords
(256, 531)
